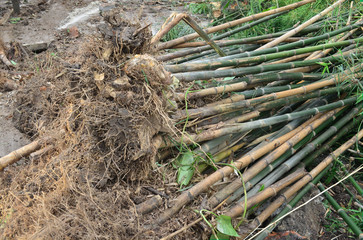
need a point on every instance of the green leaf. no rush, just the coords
(187, 159)
(262, 187)
(185, 174)
(220, 236)
(13, 62)
(186, 168)
(224, 225)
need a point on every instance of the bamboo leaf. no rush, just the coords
(224, 225)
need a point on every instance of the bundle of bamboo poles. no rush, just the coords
(257, 114)
(259, 111)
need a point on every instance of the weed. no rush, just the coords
(179, 30)
(204, 8)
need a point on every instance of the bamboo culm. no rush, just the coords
(305, 180)
(357, 231)
(257, 59)
(237, 72)
(232, 24)
(293, 161)
(243, 127)
(298, 197)
(289, 46)
(235, 188)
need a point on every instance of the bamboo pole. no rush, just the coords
(320, 54)
(16, 155)
(203, 35)
(214, 64)
(302, 26)
(262, 235)
(206, 75)
(267, 160)
(270, 191)
(352, 180)
(290, 59)
(270, 77)
(211, 110)
(200, 187)
(293, 161)
(173, 20)
(307, 178)
(220, 156)
(149, 205)
(258, 92)
(242, 49)
(306, 162)
(248, 25)
(289, 46)
(257, 16)
(281, 102)
(231, 88)
(357, 231)
(298, 98)
(243, 127)
(237, 192)
(223, 43)
(256, 39)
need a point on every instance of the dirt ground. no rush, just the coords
(46, 22)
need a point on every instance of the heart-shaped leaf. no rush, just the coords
(224, 225)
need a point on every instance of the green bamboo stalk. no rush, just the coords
(298, 98)
(352, 180)
(253, 135)
(238, 208)
(205, 36)
(232, 24)
(220, 108)
(226, 43)
(235, 189)
(208, 53)
(285, 101)
(215, 64)
(243, 127)
(247, 26)
(262, 235)
(302, 182)
(302, 26)
(205, 75)
(242, 162)
(233, 88)
(271, 77)
(357, 231)
(307, 188)
(213, 109)
(234, 49)
(289, 46)
(293, 161)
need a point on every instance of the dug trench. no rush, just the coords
(102, 100)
